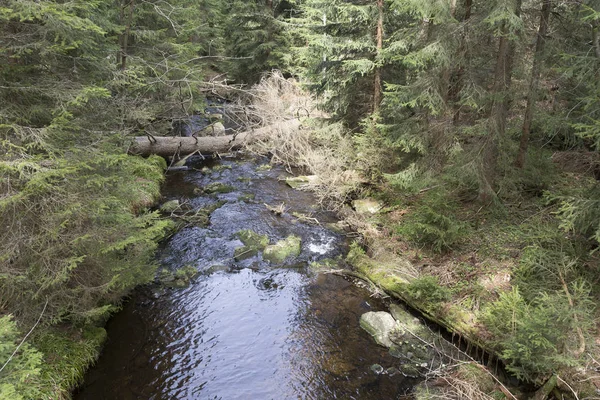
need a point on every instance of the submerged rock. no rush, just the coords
(218, 187)
(366, 206)
(378, 369)
(380, 325)
(253, 243)
(179, 278)
(216, 268)
(278, 252)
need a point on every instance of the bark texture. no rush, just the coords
(182, 146)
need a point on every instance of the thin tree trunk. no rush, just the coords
(121, 22)
(457, 85)
(534, 82)
(596, 37)
(125, 36)
(499, 112)
(447, 73)
(377, 94)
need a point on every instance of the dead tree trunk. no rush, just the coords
(182, 146)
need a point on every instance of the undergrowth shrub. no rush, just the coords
(79, 236)
(433, 223)
(427, 289)
(538, 337)
(20, 370)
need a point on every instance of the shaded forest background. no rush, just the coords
(477, 121)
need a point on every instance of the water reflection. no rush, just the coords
(247, 335)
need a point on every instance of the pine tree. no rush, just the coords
(341, 60)
(257, 40)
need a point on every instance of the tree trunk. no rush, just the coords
(596, 37)
(456, 86)
(181, 146)
(499, 112)
(124, 39)
(534, 82)
(377, 94)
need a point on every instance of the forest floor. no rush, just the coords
(453, 260)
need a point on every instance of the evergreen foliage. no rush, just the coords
(540, 336)
(257, 40)
(20, 364)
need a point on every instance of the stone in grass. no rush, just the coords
(366, 206)
(253, 243)
(218, 187)
(380, 325)
(278, 252)
(300, 181)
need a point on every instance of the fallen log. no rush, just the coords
(182, 146)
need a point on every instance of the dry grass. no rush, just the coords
(320, 149)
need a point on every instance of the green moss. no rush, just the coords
(218, 187)
(253, 239)
(253, 243)
(179, 278)
(264, 167)
(247, 197)
(280, 251)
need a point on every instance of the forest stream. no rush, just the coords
(246, 329)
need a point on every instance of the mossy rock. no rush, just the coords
(218, 187)
(325, 264)
(253, 243)
(278, 252)
(244, 252)
(300, 181)
(253, 239)
(247, 197)
(178, 279)
(264, 167)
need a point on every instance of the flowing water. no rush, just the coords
(248, 329)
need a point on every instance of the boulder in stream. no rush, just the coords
(380, 325)
(253, 243)
(278, 252)
(217, 187)
(407, 339)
